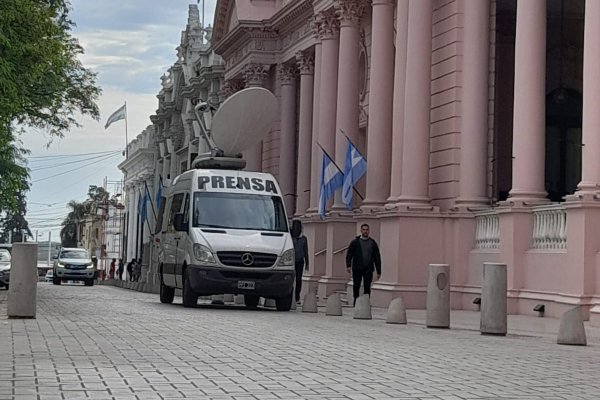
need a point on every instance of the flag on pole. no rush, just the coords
(159, 193)
(121, 113)
(332, 179)
(355, 168)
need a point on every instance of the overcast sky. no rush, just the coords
(130, 44)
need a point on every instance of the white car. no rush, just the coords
(73, 264)
(4, 268)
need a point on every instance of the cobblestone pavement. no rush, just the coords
(103, 342)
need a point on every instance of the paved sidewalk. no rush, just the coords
(103, 342)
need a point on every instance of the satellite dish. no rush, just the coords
(243, 120)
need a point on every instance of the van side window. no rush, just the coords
(175, 208)
(186, 209)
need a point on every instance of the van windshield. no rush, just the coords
(239, 211)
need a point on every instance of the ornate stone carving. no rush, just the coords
(305, 62)
(287, 74)
(326, 24)
(229, 87)
(255, 74)
(350, 11)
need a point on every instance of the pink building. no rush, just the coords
(482, 144)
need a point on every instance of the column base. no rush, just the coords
(526, 198)
(329, 285)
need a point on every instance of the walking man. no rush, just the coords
(300, 253)
(362, 258)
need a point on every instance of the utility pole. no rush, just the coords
(49, 247)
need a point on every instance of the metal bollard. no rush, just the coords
(493, 300)
(438, 296)
(22, 292)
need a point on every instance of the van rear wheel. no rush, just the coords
(189, 297)
(166, 293)
(251, 301)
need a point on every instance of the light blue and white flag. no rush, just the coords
(121, 113)
(331, 180)
(355, 168)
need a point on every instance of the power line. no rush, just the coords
(49, 166)
(74, 155)
(74, 169)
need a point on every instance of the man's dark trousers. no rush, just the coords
(299, 272)
(357, 277)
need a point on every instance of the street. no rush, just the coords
(104, 342)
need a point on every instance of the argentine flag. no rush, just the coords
(331, 180)
(355, 168)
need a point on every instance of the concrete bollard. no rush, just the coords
(438, 296)
(334, 305)
(22, 290)
(310, 303)
(572, 330)
(228, 298)
(238, 299)
(396, 312)
(362, 308)
(493, 300)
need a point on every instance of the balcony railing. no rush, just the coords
(487, 232)
(549, 227)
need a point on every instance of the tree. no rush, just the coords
(70, 225)
(42, 82)
(15, 226)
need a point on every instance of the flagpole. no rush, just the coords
(355, 148)
(339, 169)
(126, 141)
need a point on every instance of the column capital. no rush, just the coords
(382, 2)
(229, 87)
(305, 63)
(255, 74)
(349, 12)
(326, 24)
(287, 74)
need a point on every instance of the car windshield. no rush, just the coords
(239, 211)
(77, 254)
(4, 255)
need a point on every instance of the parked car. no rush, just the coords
(49, 276)
(73, 264)
(5, 262)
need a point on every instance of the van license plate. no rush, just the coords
(248, 285)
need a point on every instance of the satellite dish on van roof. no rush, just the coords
(243, 120)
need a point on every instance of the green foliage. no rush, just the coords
(79, 212)
(42, 84)
(14, 220)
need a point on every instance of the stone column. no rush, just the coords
(131, 221)
(590, 162)
(135, 220)
(399, 99)
(349, 13)
(328, 26)
(316, 152)
(255, 76)
(381, 94)
(475, 76)
(287, 143)
(529, 126)
(415, 146)
(305, 64)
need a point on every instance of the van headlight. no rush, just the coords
(89, 266)
(287, 258)
(203, 254)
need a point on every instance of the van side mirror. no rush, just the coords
(178, 223)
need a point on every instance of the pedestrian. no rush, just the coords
(300, 254)
(111, 271)
(130, 269)
(137, 269)
(120, 269)
(362, 258)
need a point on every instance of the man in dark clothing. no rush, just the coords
(362, 258)
(300, 254)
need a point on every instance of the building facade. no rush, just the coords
(476, 119)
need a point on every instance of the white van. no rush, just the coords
(226, 232)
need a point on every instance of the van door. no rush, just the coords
(183, 243)
(170, 238)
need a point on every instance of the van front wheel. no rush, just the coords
(284, 303)
(189, 297)
(166, 293)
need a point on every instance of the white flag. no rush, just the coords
(121, 113)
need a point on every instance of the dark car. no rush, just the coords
(4, 268)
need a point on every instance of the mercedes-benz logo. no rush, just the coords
(247, 259)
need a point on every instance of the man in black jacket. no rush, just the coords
(362, 258)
